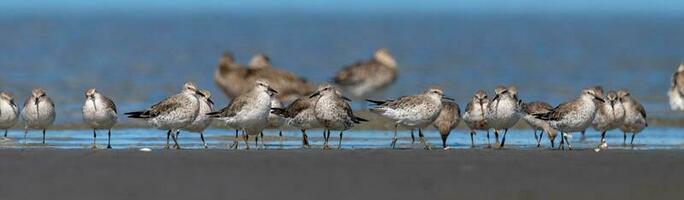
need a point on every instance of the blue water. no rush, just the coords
(138, 60)
(652, 138)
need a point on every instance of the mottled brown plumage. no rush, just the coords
(447, 120)
(364, 77)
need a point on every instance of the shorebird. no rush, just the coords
(573, 116)
(333, 112)
(447, 120)
(275, 121)
(416, 111)
(202, 121)
(8, 111)
(538, 108)
(38, 112)
(174, 112)
(474, 115)
(288, 85)
(610, 115)
(364, 77)
(300, 114)
(635, 116)
(676, 92)
(503, 111)
(99, 112)
(599, 92)
(229, 76)
(248, 112)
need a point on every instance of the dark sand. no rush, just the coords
(357, 174)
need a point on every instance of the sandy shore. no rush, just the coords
(357, 174)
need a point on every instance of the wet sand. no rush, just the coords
(349, 174)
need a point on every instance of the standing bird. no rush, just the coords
(300, 114)
(99, 112)
(538, 108)
(676, 92)
(8, 111)
(503, 111)
(333, 112)
(418, 111)
(174, 112)
(248, 112)
(38, 112)
(610, 115)
(364, 77)
(573, 116)
(202, 121)
(289, 85)
(635, 116)
(275, 121)
(599, 91)
(447, 120)
(474, 115)
(229, 76)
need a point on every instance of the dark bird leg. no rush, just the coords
(553, 142)
(339, 146)
(109, 139)
(94, 139)
(5, 132)
(489, 143)
(562, 142)
(245, 137)
(603, 138)
(394, 139)
(168, 136)
(43, 136)
(567, 141)
(235, 141)
(175, 141)
(472, 139)
(203, 142)
(422, 140)
(25, 134)
(305, 139)
(280, 133)
(503, 138)
(496, 136)
(535, 136)
(624, 138)
(540, 138)
(444, 140)
(584, 136)
(632, 141)
(326, 135)
(413, 137)
(256, 139)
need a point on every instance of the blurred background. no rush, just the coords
(138, 52)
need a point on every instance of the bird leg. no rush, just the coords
(422, 140)
(540, 138)
(305, 139)
(245, 137)
(175, 141)
(326, 136)
(496, 135)
(256, 139)
(25, 134)
(235, 141)
(567, 141)
(94, 140)
(584, 136)
(562, 142)
(503, 138)
(624, 138)
(280, 133)
(632, 141)
(203, 142)
(472, 139)
(339, 146)
(394, 139)
(109, 139)
(168, 136)
(444, 140)
(413, 137)
(489, 143)
(535, 137)
(6, 132)
(43, 136)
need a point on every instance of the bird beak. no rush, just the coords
(272, 90)
(198, 93)
(36, 101)
(495, 97)
(448, 98)
(599, 99)
(315, 94)
(346, 98)
(210, 101)
(93, 100)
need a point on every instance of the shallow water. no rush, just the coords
(138, 60)
(653, 138)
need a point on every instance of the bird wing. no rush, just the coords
(298, 106)
(109, 104)
(355, 73)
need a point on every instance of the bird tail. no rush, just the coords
(137, 115)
